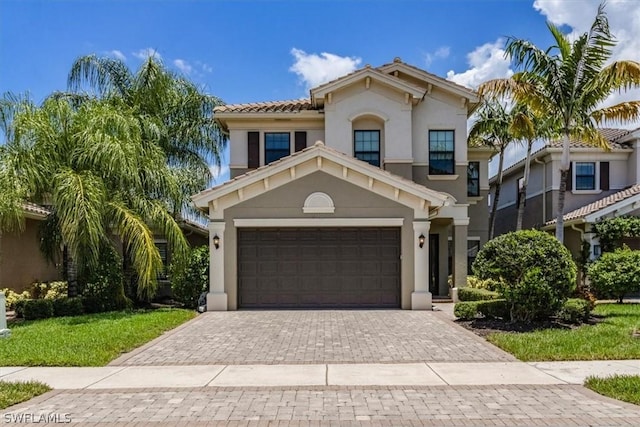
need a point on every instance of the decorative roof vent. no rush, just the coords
(318, 202)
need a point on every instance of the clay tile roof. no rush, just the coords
(36, 209)
(611, 134)
(601, 204)
(290, 106)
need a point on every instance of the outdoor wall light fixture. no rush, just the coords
(421, 240)
(216, 241)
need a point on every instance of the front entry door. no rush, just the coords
(434, 277)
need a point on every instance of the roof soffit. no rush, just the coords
(318, 93)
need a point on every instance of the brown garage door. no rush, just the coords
(319, 268)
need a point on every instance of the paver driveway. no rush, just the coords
(316, 336)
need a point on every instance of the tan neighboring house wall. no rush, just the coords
(21, 262)
(401, 104)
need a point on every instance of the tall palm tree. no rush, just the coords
(527, 127)
(171, 110)
(493, 127)
(91, 164)
(568, 83)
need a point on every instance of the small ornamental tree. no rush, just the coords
(536, 273)
(190, 276)
(616, 274)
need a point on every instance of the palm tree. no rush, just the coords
(527, 128)
(171, 109)
(567, 83)
(92, 165)
(493, 127)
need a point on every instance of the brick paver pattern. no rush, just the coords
(317, 336)
(443, 405)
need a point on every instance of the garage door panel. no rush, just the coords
(318, 267)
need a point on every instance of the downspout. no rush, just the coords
(544, 189)
(573, 227)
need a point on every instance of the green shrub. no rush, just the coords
(534, 271)
(479, 294)
(466, 310)
(49, 290)
(494, 309)
(18, 306)
(11, 298)
(103, 288)
(575, 310)
(67, 306)
(615, 274)
(37, 309)
(476, 283)
(190, 277)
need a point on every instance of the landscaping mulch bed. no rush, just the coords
(485, 327)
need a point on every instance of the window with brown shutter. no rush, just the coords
(253, 150)
(570, 177)
(604, 175)
(300, 141)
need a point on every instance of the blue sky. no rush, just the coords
(244, 51)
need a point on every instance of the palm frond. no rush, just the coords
(623, 112)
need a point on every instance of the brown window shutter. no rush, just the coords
(604, 175)
(253, 150)
(301, 141)
(570, 177)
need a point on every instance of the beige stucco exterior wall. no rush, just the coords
(21, 262)
(350, 202)
(387, 104)
(439, 111)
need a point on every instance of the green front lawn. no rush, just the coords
(620, 387)
(88, 340)
(610, 339)
(12, 393)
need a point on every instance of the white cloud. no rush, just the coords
(440, 53)
(624, 23)
(117, 54)
(146, 53)
(183, 66)
(204, 67)
(487, 62)
(314, 69)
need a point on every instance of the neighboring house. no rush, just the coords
(363, 195)
(602, 184)
(21, 261)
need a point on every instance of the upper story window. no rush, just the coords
(366, 146)
(441, 152)
(585, 176)
(276, 146)
(473, 179)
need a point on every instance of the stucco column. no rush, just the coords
(460, 227)
(216, 298)
(421, 297)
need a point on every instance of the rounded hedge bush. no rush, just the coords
(615, 274)
(534, 271)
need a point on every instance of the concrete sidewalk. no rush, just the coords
(407, 374)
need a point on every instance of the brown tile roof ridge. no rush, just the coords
(35, 208)
(471, 91)
(601, 203)
(286, 106)
(326, 148)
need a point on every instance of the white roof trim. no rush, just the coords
(432, 79)
(319, 152)
(618, 206)
(322, 90)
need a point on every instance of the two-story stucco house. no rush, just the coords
(602, 184)
(363, 195)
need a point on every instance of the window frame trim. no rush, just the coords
(379, 146)
(453, 151)
(264, 144)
